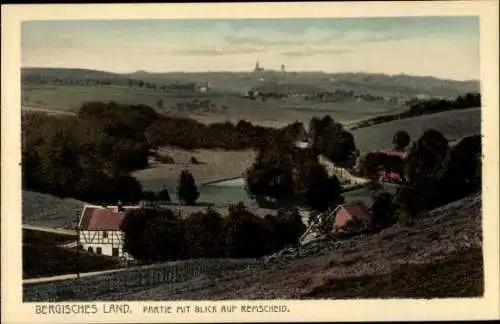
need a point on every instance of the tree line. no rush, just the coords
(155, 234)
(419, 107)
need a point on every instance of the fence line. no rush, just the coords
(91, 288)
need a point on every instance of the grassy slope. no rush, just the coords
(458, 275)
(46, 210)
(41, 260)
(42, 256)
(453, 124)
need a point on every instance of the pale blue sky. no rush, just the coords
(439, 46)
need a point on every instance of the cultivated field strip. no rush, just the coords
(132, 280)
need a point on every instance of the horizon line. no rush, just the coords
(251, 71)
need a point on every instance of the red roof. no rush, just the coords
(401, 153)
(383, 175)
(357, 210)
(101, 219)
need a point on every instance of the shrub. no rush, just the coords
(204, 234)
(153, 235)
(382, 210)
(164, 196)
(246, 235)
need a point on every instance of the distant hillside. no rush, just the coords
(373, 84)
(32, 76)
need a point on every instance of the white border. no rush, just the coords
(14, 311)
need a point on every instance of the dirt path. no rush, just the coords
(47, 110)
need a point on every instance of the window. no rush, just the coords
(104, 234)
(99, 250)
(115, 252)
(90, 249)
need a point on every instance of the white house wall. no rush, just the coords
(96, 239)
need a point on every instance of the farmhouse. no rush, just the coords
(391, 176)
(99, 230)
(351, 216)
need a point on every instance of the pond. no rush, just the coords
(232, 191)
(219, 193)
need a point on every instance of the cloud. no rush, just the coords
(214, 51)
(237, 40)
(311, 52)
(274, 38)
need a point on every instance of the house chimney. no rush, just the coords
(120, 206)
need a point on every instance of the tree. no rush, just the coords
(425, 164)
(330, 139)
(153, 235)
(426, 157)
(401, 140)
(186, 189)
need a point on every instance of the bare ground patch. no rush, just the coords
(214, 165)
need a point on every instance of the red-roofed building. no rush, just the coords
(401, 153)
(351, 216)
(99, 230)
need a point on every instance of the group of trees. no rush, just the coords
(434, 174)
(429, 106)
(153, 235)
(72, 156)
(90, 156)
(189, 134)
(35, 79)
(439, 173)
(283, 175)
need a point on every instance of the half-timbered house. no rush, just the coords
(99, 230)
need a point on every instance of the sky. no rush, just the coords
(445, 47)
